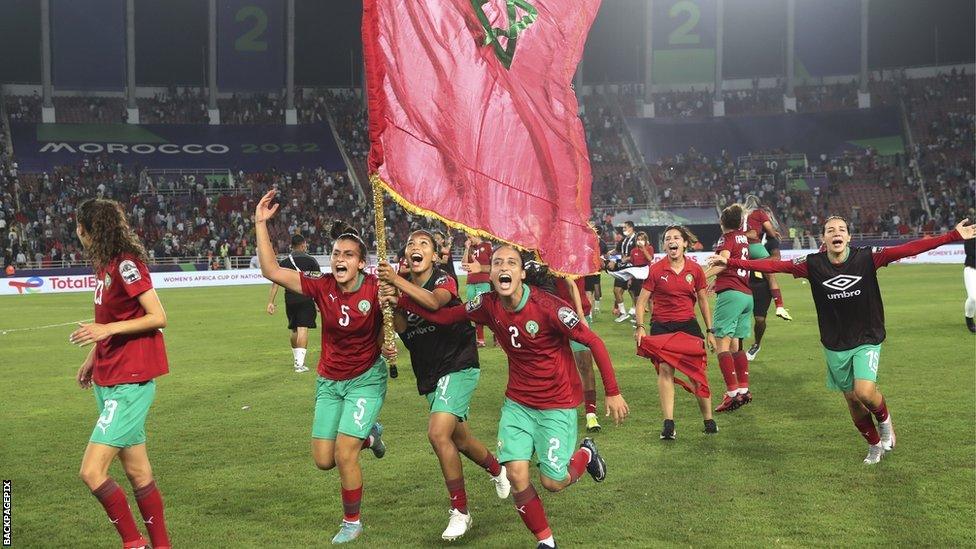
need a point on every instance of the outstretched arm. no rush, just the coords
(443, 316)
(885, 256)
(798, 270)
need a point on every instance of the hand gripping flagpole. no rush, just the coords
(380, 219)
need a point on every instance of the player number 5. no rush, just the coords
(344, 319)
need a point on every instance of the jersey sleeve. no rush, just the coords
(313, 285)
(135, 277)
(567, 321)
(649, 282)
(797, 267)
(700, 282)
(885, 256)
(445, 282)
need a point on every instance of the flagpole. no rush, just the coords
(380, 220)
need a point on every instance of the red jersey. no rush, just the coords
(674, 294)
(736, 243)
(754, 222)
(562, 290)
(480, 253)
(542, 372)
(125, 358)
(637, 257)
(351, 325)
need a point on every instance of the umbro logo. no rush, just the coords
(841, 282)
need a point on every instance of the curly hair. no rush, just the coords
(686, 234)
(107, 227)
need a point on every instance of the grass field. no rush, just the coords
(785, 470)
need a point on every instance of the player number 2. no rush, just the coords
(344, 319)
(744, 272)
(553, 446)
(515, 334)
(99, 290)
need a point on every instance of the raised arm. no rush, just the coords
(886, 256)
(266, 256)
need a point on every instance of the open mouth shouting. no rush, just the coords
(341, 270)
(416, 259)
(505, 281)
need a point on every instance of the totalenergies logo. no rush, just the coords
(31, 286)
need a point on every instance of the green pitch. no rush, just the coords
(229, 439)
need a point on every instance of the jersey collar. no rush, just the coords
(525, 298)
(359, 282)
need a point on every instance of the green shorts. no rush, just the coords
(843, 367)
(122, 413)
(473, 290)
(453, 393)
(550, 434)
(733, 314)
(758, 251)
(351, 406)
(577, 347)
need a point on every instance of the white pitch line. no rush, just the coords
(32, 328)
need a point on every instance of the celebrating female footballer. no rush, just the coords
(675, 283)
(445, 362)
(352, 375)
(844, 284)
(759, 223)
(122, 366)
(733, 311)
(539, 414)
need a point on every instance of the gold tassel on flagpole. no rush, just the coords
(380, 219)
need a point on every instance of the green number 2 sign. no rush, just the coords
(682, 34)
(252, 40)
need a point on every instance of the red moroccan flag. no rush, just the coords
(472, 118)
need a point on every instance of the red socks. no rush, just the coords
(727, 364)
(529, 507)
(589, 397)
(112, 498)
(479, 331)
(577, 464)
(151, 506)
(351, 501)
(865, 425)
(881, 412)
(778, 297)
(459, 498)
(367, 442)
(741, 369)
(490, 464)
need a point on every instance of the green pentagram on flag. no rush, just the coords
(516, 25)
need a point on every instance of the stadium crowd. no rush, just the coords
(185, 218)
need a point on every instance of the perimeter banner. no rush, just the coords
(41, 147)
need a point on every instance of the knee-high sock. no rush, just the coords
(741, 369)
(529, 507)
(351, 502)
(299, 354)
(589, 398)
(577, 463)
(150, 503)
(727, 364)
(113, 499)
(881, 412)
(459, 498)
(777, 297)
(865, 425)
(969, 278)
(490, 464)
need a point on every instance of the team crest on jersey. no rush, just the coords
(108, 280)
(567, 317)
(129, 272)
(364, 306)
(532, 327)
(689, 278)
(474, 304)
